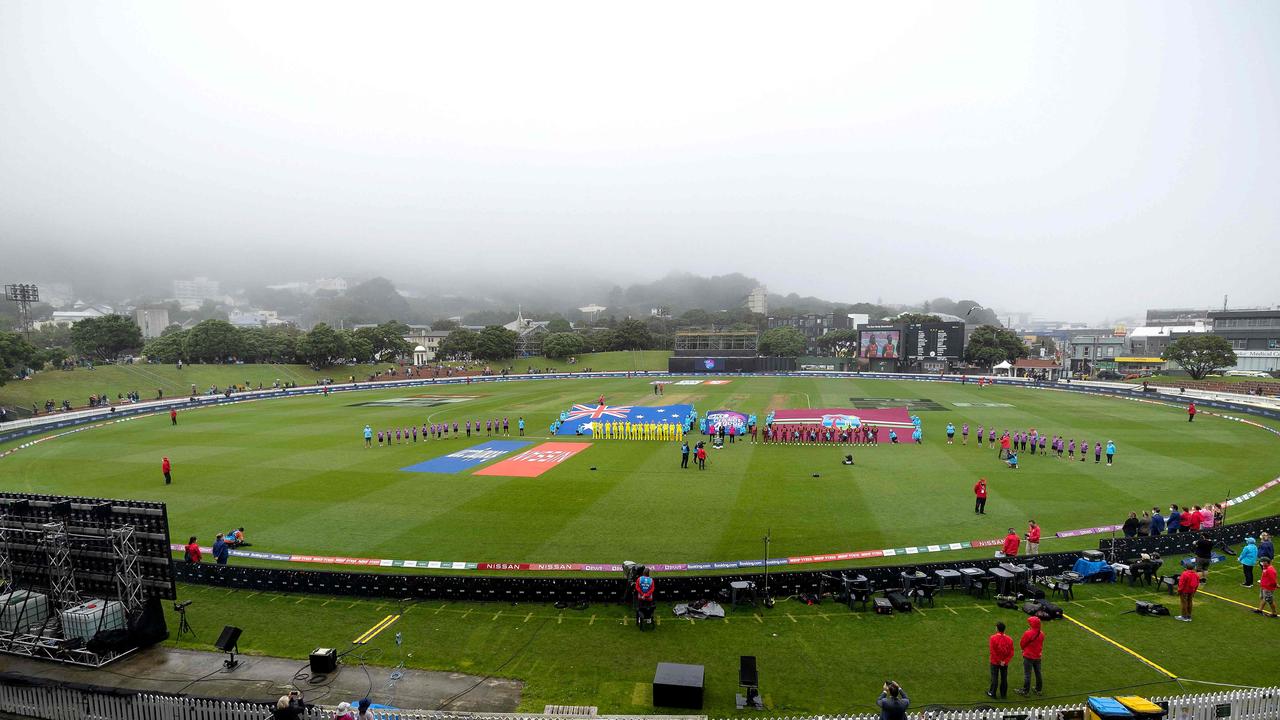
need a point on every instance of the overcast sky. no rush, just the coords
(1073, 159)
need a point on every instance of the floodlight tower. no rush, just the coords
(24, 295)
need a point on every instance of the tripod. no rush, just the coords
(184, 627)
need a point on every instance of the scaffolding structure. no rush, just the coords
(124, 551)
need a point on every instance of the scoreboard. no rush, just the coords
(940, 340)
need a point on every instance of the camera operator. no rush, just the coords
(893, 702)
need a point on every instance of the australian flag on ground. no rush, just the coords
(577, 419)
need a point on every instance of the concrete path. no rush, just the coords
(264, 679)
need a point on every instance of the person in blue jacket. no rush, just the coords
(951, 433)
(1111, 451)
(221, 551)
(893, 437)
(1265, 548)
(368, 436)
(1157, 522)
(1248, 558)
(917, 434)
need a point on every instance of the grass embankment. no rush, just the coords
(113, 380)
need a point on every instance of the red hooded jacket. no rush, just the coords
(1033, 535)
(1001, 649)
(1188, 581)
(980, 489)
(1032, 640)
(164, 465)
(1011, 544)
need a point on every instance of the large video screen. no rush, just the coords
(880, 343)
(935, 340)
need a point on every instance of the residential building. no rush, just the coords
(80, 311)
(1253, 334)
(426, 343)
(814, 326)
(758, 300)
(254, 318)
(1151, 341)
(192, 293)
(152, 320)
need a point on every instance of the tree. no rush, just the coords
(563, 344)
(631, 334)
(323, 346)
(1045, 344)
(990, 345)
(270, 344)
(168, 348)
(444, 324)
(599, 340)
(1200, 354)
(496, 343)
(912, 318)
(359, 347)
(15, 355)
(106, 337)
(783, 341)
(841, 343)
(386, 340)
(459, 344)
(214, 340)
(558, 324)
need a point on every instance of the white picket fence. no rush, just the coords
(60, 703)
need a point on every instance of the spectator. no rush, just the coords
(1175, 520)
(1248, 558)
(192, 552)
(362, 710)
(1191, 519)
(1265, 548)
(1000, 650)
(893, 702)
(1032, 644)
(1144, 525)
(1267, 583)
(1010, 548)
(221, 551)
(1188, 582)
(289, 707)
(1130, 526)
(1157, 522)
(344, 712)
(1207, 517)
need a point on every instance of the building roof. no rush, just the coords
(1167, 330)
(1035, 363)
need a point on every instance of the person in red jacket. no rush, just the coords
(1267, 582)
(1188, 583)
(1000, 649)
(1032, 644)
(173, 416)
(1005, 444)
(1033, 538)
(1011, 542)
(165, 467)
(1191, 412)
(980, 493)
(192, 551)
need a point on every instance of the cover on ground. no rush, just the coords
(577, 419)
(887, 417)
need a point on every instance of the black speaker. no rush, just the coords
(324, 661)
(149, 627)
(228, 639)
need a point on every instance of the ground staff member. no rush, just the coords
(980, 495)
(1032, 644)
(165, 467)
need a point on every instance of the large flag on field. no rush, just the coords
(844, 417)
(577, 420)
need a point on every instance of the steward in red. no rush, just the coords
(1032, 644)
(980, 493)
(1188, 583)
(1000, 649)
